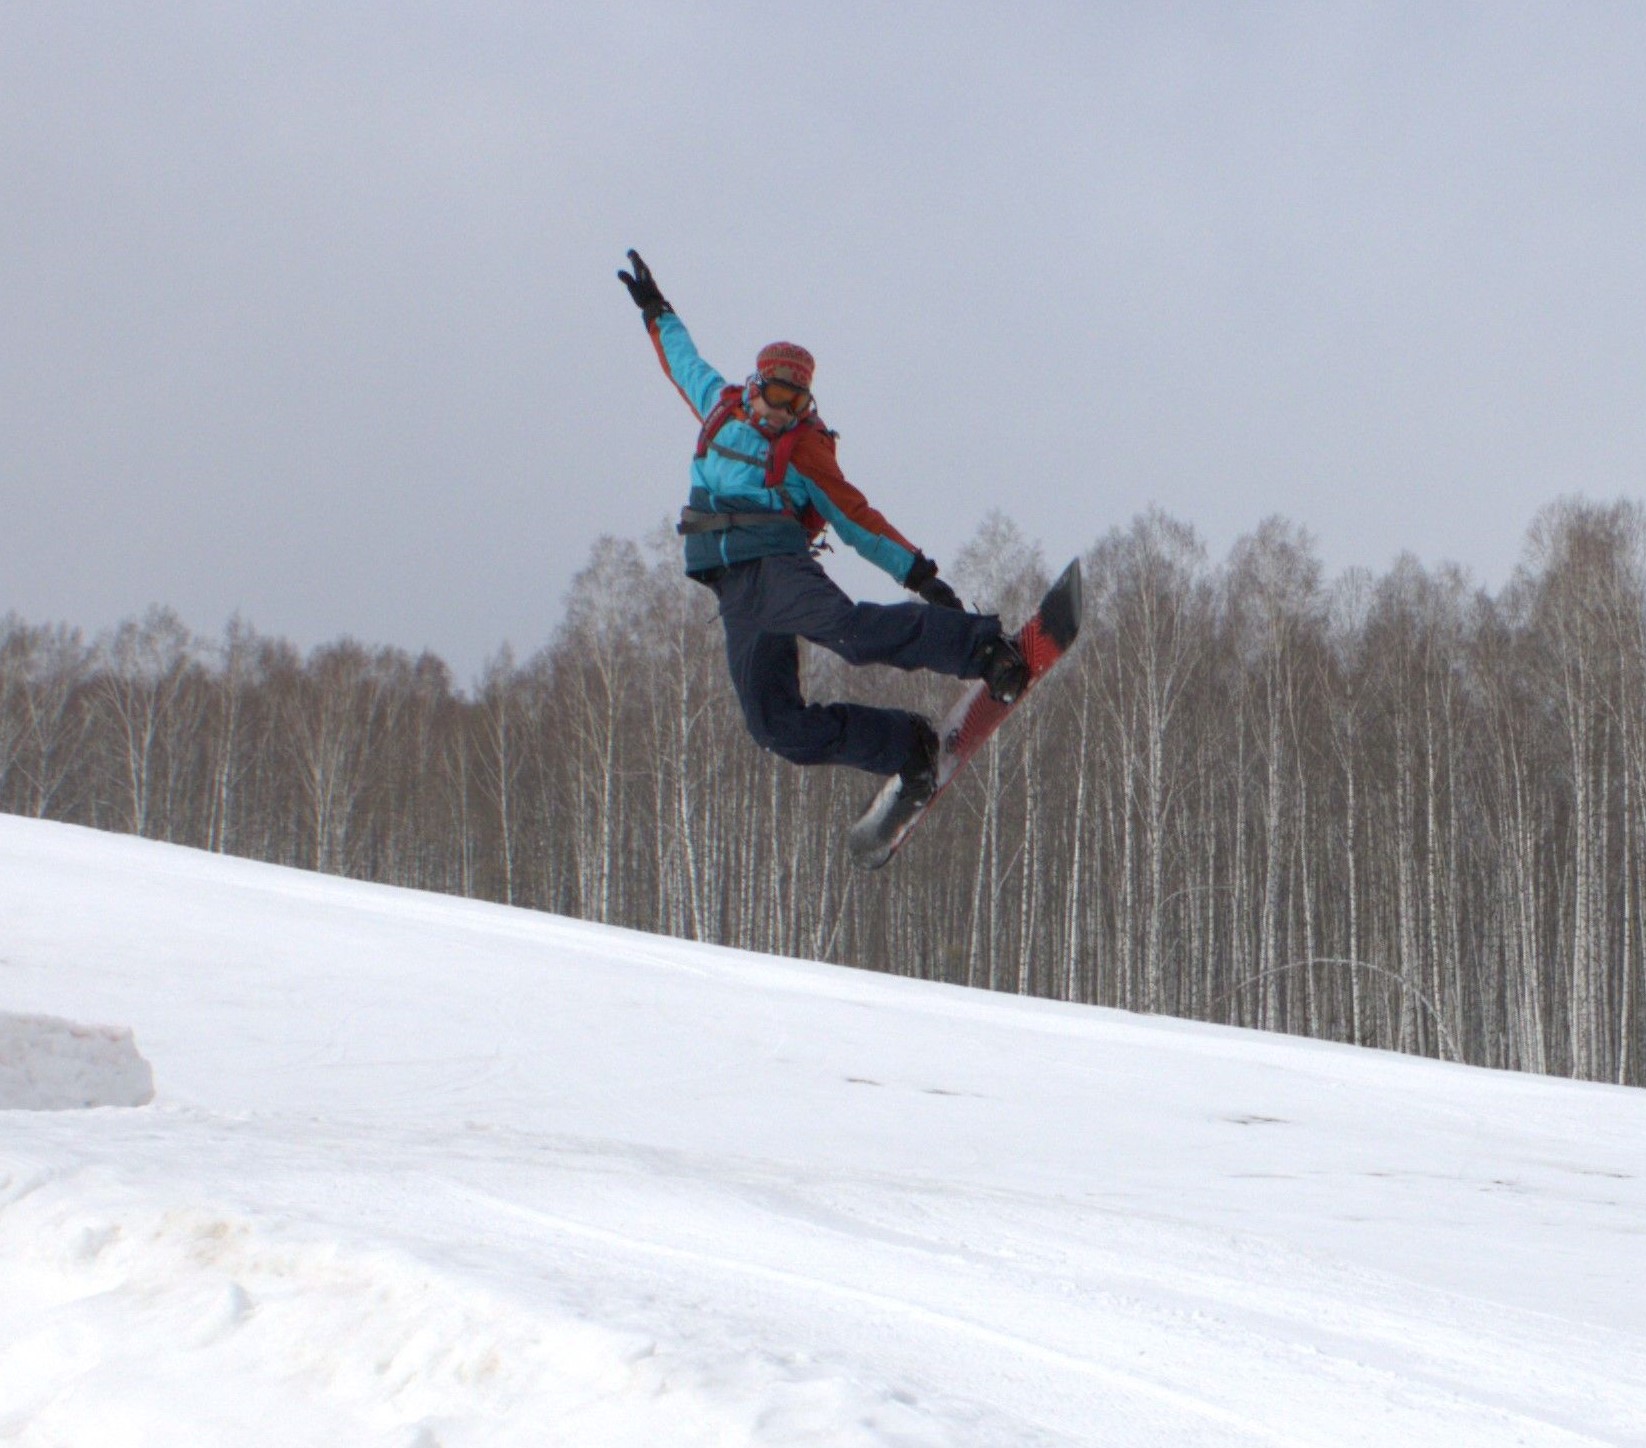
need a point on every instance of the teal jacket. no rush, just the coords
(731, 478)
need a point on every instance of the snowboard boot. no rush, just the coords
(918, 777)
(1003, 669)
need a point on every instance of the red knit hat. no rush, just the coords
(786, 362)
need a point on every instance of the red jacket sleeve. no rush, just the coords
(853, 516)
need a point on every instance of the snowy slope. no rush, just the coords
(424, 1172)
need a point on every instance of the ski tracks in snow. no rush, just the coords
(1072, 1324)
(440, 1289)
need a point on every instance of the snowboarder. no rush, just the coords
(764, 485)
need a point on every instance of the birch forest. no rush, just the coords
(1398, 811)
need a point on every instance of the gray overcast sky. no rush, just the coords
(308, 310)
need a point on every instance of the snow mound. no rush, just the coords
(123, 1321)
(47, 1064)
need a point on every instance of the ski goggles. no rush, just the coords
(776, 393)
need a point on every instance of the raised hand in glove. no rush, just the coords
(642, 287)
(923, 580)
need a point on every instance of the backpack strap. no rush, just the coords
(778, 456)
(695, 520)
(781, 453)
(718, 416)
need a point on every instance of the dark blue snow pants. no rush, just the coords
(767, 604)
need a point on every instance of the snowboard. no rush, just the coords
(882, 828)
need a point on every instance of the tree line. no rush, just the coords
(1398, 811)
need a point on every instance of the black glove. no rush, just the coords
(923, 580)
(643, 288)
